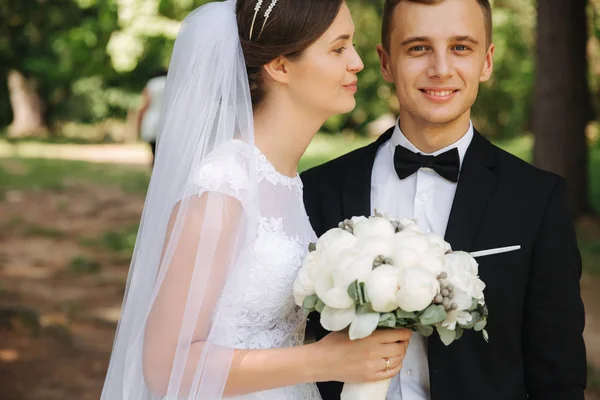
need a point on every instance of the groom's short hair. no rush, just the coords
(390, 7)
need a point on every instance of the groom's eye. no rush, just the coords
(417, 48)
(461, 47)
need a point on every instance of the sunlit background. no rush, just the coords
(73, 173)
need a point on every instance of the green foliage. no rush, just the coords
(91, 58)
(82, 265)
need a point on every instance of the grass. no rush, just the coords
(83, 265)
(121, 241)
(52, 174)
(39, 231)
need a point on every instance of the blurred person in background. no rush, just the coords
(149, 113)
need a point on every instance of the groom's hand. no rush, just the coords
(363, 360)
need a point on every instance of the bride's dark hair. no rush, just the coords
(292, 26)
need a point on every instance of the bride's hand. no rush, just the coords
(363, 360)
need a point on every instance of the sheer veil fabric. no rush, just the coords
(197, 228)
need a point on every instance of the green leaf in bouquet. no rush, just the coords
(319, 306)
(446, 335)
(459, 333)
(474, 305)
(480, 325)
(486, 336)
(363, 290)
(310, 302)
(387, 320)
(433, 314)
(424, 330)
(312, 247)
(353, 291)
(475, 318)
(404, 314)
(364, 309)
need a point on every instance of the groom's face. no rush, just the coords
(437, 57)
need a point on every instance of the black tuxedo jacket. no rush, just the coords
(536, 320)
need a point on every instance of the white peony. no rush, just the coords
(332, 243)
(463, 270)
(358, 219)
(304, 285)
(363, 325)
(418, 287)
(409, 225)
(335, 319)
(413, 249)
(382, 287)
(374, 227)
(356, 263)
(332, 295)
(437, 241)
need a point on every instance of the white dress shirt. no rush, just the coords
(428, 197)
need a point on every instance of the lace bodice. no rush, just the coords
(258, 305)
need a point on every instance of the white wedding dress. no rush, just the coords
(260, 307)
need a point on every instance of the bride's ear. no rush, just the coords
(277, 70)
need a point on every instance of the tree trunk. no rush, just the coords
(562, 106)
(27, 107)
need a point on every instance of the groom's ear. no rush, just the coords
(277, 70)
(384, 61)
(488, 65)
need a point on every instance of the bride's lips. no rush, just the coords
(352, 87)
(439, 95)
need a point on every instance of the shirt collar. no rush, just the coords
(461, 144)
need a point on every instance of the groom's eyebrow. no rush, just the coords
(414, 40)
(457, 38)
(465, 38)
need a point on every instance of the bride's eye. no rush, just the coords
(340, 50)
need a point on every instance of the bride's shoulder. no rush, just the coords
(225, 169)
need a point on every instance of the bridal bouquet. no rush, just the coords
(378, 272)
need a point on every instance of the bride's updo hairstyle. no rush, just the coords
(289, 28)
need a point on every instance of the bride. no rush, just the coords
(208, 310)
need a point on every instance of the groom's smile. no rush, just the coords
(441, 95)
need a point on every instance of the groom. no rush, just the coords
(434, 166)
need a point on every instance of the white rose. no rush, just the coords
(381, 287)
(335, 319)
(418, 287)
(304, 285)
(462, 299)
(374, 227)
(462, 270)
(454, 317)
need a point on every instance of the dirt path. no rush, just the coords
(136, 153)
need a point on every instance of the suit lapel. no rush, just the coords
(356, 183)
(473, 193)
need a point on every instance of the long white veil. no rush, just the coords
(196, 226)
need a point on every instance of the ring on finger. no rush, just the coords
(388, 364)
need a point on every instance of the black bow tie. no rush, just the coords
(447, 164)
